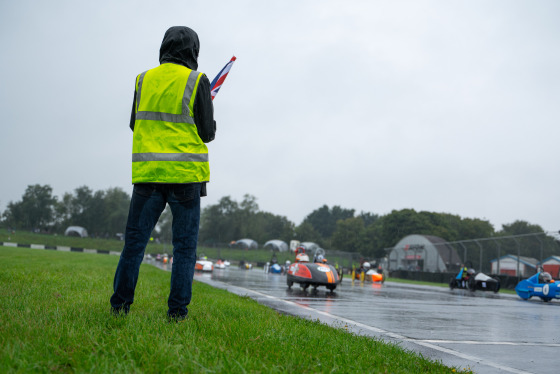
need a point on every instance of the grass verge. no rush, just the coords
(55, 317)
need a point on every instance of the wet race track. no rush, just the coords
(489, 333)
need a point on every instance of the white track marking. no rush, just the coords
(474, 342)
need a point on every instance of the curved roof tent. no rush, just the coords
(276, 245)
(247, 243)
(426, 252)
(76, 231)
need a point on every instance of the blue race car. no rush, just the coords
(541, 285)
(273, 266)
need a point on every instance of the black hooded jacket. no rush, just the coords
(180, 46)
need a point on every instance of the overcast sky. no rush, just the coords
(443, 106)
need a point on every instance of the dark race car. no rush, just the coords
(471, 280)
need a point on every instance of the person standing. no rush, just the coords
(172, 119)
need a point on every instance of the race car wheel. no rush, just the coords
(546, 299)
(331, 287)
(472, 284)
(452, 283)
(290, 284)
(497, 288)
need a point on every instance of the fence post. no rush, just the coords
(541, 242)
(480, 259)
(464, 253)
(518, 258)
(498, 258)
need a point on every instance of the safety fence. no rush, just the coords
(481, 253)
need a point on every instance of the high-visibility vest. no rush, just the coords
(166, 147)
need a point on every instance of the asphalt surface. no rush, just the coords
(486, 332)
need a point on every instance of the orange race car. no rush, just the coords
(366, 273)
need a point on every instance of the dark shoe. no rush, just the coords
(117, 312)
(175, 317)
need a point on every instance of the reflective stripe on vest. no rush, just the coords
(166, 145)
(198, 157)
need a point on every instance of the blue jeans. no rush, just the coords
(147, 203)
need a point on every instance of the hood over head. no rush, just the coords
(180, 45)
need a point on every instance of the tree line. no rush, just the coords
(368, 234)
(103, 213)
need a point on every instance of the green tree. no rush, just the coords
(349, 235)
(229, 220)
(78, 205)
(474, 228)
(219, 223)
(95, 214)
(14, 216)
(324, 221)
(535, 246)
(102, 213)
(63, 212)
(246, 219)
(116, 203)
(373, 245)
(34, 211)
(305, 232)
(400, 223)
(368, 218)
(85, 208)
(519, 228)
(269, 226)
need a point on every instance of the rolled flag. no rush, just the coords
(220, 78)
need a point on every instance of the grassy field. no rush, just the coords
(55, 318)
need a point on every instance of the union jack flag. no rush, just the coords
(220, 78)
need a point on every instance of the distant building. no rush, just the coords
(424, 253)
(552, 266)
(508, 265)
